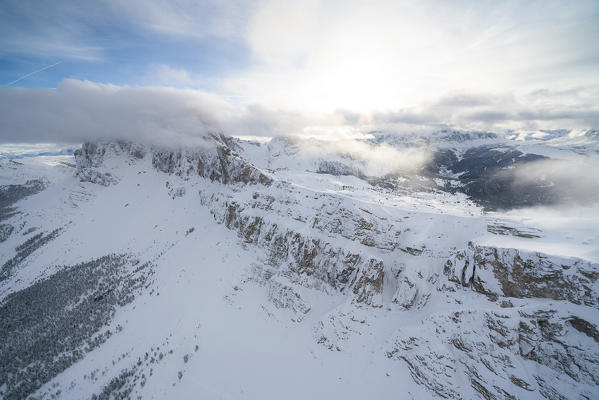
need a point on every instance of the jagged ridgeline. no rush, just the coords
(215, 160)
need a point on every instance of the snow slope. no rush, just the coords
(240, 270)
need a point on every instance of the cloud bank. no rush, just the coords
(538, 109)
(369, 159)
(78, 111)
(81, 110)
(572, 182)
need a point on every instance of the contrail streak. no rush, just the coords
(32, 73)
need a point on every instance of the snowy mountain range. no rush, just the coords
(449, 265)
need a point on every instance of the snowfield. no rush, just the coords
(267, 269)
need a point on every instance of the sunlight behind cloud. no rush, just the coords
(279, 67)
(317, 57)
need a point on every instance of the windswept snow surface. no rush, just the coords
(242, 271)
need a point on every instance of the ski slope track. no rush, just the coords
(257, 270)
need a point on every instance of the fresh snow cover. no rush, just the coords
(261, 269)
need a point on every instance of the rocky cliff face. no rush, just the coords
(307, 259)
(215, 160)
(515, 352)
(541, 338)
(499, 272)
(90, 160)
(220, 163)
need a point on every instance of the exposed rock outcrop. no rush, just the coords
(312, 260)
(217, 162)
(214, 160)
(532, 352)
(499, 272)
(90, 160)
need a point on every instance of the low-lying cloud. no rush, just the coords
(539, 109)
(571, 182)
(364, 157)
(79, 110)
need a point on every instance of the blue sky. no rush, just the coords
(105, 42)
(268, 67)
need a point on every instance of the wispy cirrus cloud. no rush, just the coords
(56, 30)
(186, 18)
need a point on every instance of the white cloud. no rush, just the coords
(403, 64)
(572, 181)
(19, 150)
(370, 159)
(80, 110)
(500, 111)
(162, 74)
(320, 56)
